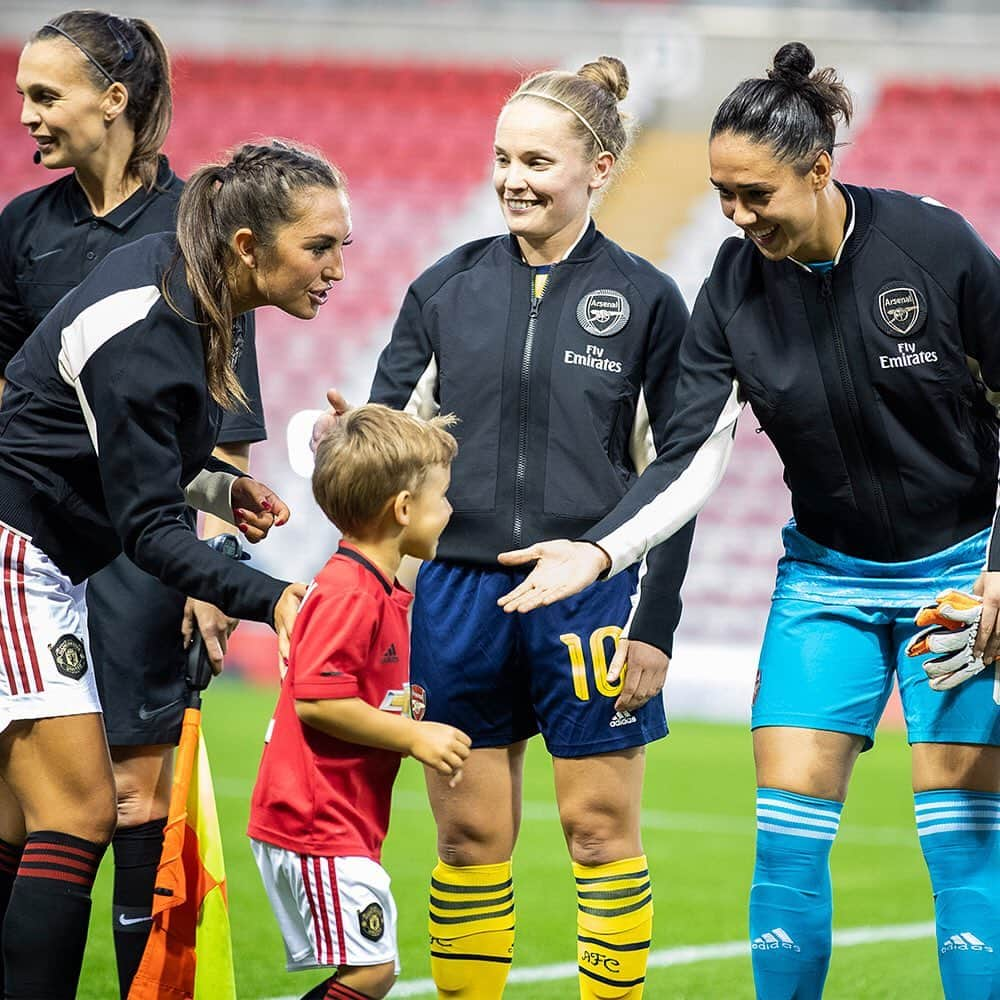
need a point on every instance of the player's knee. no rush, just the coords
(135, 805)
(596, 839)
(373, 981)
(975, 768)
(142, 785)
(94, 819)
(469, 843)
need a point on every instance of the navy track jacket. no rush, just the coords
(105, 419)
(874, 381)
(562, 399)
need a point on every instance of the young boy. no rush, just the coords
(346, 714)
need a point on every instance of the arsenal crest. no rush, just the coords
(603, 313)
(70, 656)
(372, 921)
(900, 310)
(418, 702)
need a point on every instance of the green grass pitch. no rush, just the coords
(698, 836)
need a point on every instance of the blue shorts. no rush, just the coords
(504, 677)
(836, 638)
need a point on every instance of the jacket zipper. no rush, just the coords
(826, 288)
(521, 467)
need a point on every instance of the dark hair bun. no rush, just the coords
(607, 72)
(793, 63)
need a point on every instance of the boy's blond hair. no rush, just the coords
(372, 454)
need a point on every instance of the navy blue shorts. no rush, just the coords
(502, 677)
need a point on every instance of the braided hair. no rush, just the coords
(256, 189)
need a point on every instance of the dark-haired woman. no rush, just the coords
(861, 327)
(110, 414)
(96, 97)
(557, 350)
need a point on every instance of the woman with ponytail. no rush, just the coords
(97, 98)
(111, 411)
(557, 350)
(861, 327)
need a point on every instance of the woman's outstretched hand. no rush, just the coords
(562, 568)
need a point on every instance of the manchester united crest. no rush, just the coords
(371, 920)
(70, 656)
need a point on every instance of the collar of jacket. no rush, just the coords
(858, 222)
(587, 246)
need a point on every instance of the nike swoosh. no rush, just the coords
(151, 713)
(128, 921)
(42, 256)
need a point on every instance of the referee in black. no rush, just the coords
(97, 98)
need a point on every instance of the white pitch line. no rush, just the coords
(684, 955)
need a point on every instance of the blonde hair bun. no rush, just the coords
(608, 72)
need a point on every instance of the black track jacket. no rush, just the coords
(562, 399)
(874, 382)
(106, 419)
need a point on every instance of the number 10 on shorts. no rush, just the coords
(598, 661)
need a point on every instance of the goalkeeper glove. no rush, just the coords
(948, 627)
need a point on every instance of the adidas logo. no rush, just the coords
(622, 719)
(390, 655)
(773, 941)
(966, 941)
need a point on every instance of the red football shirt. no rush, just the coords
(316, 794)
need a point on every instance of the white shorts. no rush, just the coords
(45, 667)
(331, 911)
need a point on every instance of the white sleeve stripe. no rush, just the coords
(211, 492)
(681, 500)
(641, 447)
(92, 329)
(98, 323)
(422, 402)
(88, 416)
(637, 594)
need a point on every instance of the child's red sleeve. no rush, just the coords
(331, 644)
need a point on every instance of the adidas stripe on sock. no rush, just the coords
(791, 899)
(960, 839)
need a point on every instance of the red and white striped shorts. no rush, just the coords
(331, 911)
(45, 667)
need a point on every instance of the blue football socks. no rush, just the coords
(960, 837)
(791, 900)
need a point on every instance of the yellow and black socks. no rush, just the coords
(614, 923)
(472, 930)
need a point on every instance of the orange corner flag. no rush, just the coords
(189, 955)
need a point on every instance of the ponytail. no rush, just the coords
(128, 51)
(256, 189)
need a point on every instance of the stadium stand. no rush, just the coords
(406, 135)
